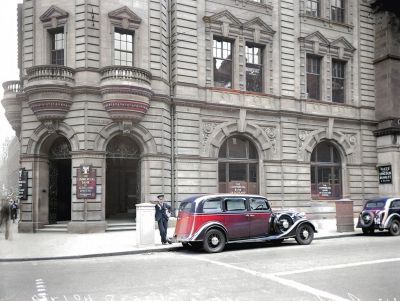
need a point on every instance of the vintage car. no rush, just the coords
(211, 221)
(380, 214)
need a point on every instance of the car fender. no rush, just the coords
(199, 235)
(291, 232)
(389, 220)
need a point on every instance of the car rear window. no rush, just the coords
(212, 206)
(186, 207)
(375, 204)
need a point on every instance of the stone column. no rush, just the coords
(387, 86)
(145, 224)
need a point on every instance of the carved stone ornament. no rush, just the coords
(126, 127)
(271, 134)
(352, 138)
(207, 128)
(51, 125)
(303, 134)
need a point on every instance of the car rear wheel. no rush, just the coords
(394, 228)
(214, 241)
(304, 234)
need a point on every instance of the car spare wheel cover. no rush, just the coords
(283, 223)
(367, 218)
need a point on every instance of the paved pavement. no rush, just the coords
(46, 246)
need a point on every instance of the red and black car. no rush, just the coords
(211, 221)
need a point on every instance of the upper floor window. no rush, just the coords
(313, 8)
(254, 68)
(338, 81)
(314, 77)
(337, 10)
(57, 46)
(222, 53)
(123, 47)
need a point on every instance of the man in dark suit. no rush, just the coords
(162, 215)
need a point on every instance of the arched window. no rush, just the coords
(326, 175)
(238, 166)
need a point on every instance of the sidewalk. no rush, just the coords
(46, 246)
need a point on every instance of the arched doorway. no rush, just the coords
(122, 178)
(326, 172)
(59, 181)
(238, 166)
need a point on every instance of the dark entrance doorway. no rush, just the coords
(122, 179)
(60, 181)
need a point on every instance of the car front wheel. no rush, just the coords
(304, 234)
(394, 228)
(214, 241)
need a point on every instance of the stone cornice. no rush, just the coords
(387, 57)
(161, 98)
(40, 88)
(208, 105)
(111, 89)
(86, 90)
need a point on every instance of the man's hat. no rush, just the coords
(160, 196)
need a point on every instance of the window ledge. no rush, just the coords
(326, 20)
(235, 91)
(329, 102)
(258, 4)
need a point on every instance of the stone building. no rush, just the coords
(191, 97)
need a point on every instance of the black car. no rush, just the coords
(380, 214)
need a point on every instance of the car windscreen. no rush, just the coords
(374, 204)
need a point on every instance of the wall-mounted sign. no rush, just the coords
(237, 187)
(325, 190)
(86, 182)
(23, 184)
(385, 174)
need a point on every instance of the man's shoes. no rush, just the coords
(169, 241)
(164, 243)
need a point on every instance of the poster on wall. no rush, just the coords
(23, 184)
(325, 190)
(86, 182)
(385, 174)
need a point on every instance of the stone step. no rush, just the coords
(54, 228)
(114, 229)
(63, 228)
(121, 227)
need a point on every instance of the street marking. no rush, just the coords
(41, 290)
(339, 266)
(296, 285)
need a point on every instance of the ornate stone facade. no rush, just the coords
(167, 104)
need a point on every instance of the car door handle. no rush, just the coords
(250, 215)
